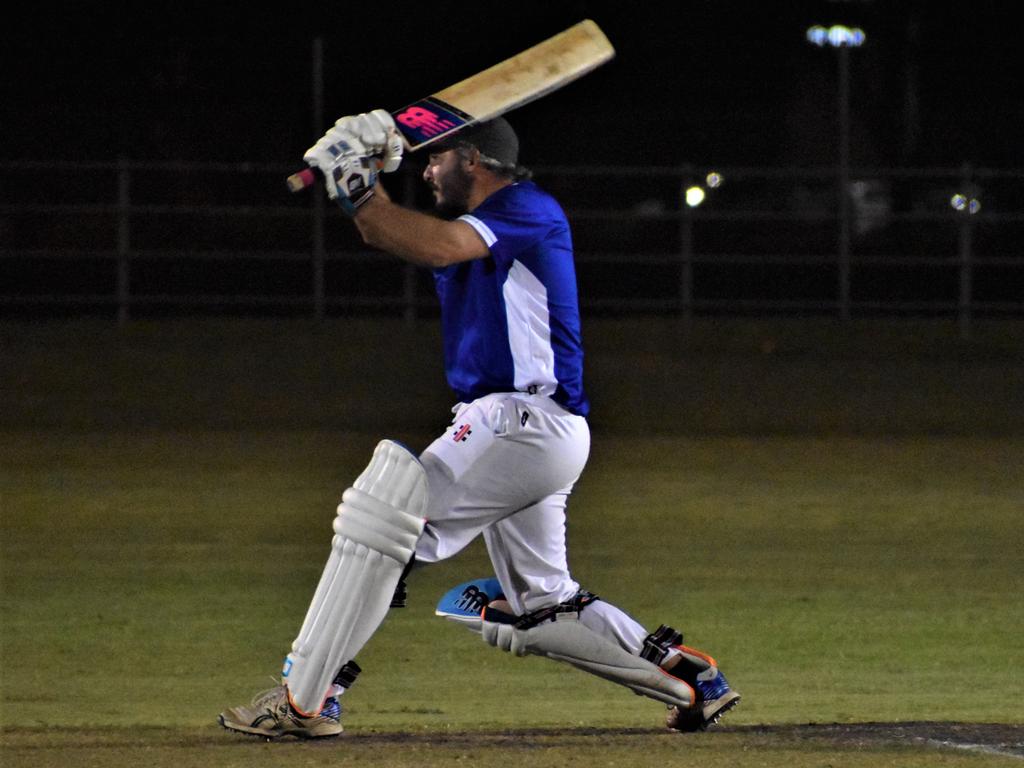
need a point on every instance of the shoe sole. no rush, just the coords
(718, 708)
(695, 721)
(271, 736)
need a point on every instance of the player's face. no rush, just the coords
(450, 181)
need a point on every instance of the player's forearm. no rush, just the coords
(410, 235)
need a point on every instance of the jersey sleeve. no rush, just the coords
(507, 231)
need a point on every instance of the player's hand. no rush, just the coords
(379, 135)
(348, 168)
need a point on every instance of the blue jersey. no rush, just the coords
(511, 321)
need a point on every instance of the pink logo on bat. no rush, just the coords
(424, 121)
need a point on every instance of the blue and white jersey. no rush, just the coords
(511, 321)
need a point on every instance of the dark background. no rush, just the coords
(937, 83)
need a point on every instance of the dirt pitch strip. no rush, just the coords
(985, 738)
(982, 738)
(860, 745)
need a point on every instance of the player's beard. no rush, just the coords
(453, 198)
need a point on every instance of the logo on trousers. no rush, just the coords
(462, 433)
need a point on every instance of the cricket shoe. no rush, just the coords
(271, 716)
(714, 699)
(713, 695)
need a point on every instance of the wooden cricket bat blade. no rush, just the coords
(508, 85)
(512, 83)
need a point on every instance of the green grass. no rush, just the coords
(166, 496)
(152, 578)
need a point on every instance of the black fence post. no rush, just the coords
(409, 275)
(124, 241)
(843, 183)
(686, 248)
(319, 212)
(965, 241)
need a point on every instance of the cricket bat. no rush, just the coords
(523, 78)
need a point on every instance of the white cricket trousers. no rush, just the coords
(505, 469)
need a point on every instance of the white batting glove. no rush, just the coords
(379, 135)
(349, 170)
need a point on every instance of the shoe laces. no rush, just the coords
(271, 699)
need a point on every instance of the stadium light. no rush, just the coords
(695, 196)
(965, 203)
(836, 36)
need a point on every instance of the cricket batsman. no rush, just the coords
(502, 259)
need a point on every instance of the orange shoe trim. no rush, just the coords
(695, 652)
(293, 705)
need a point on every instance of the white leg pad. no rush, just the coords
(568, 640)
(379, 521)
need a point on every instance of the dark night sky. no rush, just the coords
(727, 82)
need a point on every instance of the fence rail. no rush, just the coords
(134, 238)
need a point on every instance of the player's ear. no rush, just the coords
(471, 157)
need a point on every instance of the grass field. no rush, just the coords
(860, 588)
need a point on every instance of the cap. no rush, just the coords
(494, 138)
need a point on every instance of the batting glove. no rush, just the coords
(348, 169)
(379, 135)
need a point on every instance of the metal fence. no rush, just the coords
(136, 239)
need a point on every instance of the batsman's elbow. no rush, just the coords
(416, 237)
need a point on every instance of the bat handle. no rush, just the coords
(307, 177)
(300, 180)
